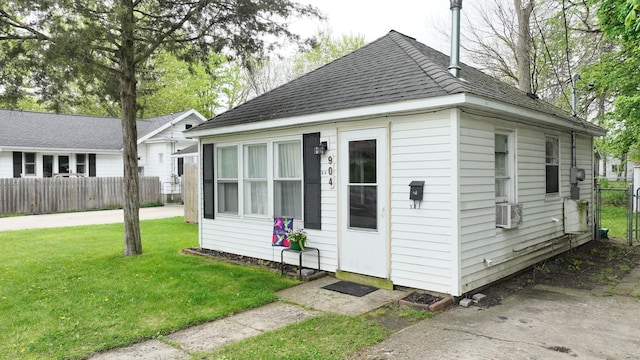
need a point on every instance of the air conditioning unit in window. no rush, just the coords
(508, 215)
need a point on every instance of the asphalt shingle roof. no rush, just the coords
(391, 69)
(63, 131)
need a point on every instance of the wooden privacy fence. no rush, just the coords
(190, 193)
(45, 195)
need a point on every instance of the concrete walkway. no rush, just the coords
(298, 303)
(85, 218)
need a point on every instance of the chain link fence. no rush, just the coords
(614, 210)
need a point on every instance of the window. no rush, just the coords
(255, 179)
(30, 164)
(188, 126)
(47, 165)
(287, 181)
(63, 164)
(552, 163)
(504, 168)
(81, 165)
(227, 177)
(262, 179)
(160, 156)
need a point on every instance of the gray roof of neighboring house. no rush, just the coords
(188, 151)
(62, 131)
(391, 69)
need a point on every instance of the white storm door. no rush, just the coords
(363, 190)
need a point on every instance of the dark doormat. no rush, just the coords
(350, 288)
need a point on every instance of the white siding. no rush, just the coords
(165, 142)
(421, 238)
(158, 162)
(252, 237)
(442, 245)
(6, 164)
(514, 249)
(175, 131)
(108, 165)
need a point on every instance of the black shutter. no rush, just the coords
(17, 164)
(207, 181)
(92, 165)
(180, 166)
(312, 181)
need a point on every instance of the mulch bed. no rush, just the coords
(596, 263)
(422, 298)
(240, 260)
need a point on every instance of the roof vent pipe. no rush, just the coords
(454, 67)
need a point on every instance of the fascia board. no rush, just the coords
(515, 113)
(528, 116)
(60, 150)
(353, 113)
(171, 123)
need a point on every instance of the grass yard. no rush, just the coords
(330, 337)
(614, 218)
(69, 292)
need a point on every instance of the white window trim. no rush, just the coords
(270, 177)
(556, 194)
(242, 180)
(275, 178)
(511, 166)
(217, 180)
(35, 164)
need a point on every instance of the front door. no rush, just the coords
(364, 245)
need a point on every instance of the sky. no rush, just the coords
(375, 18)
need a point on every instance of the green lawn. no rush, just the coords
(69, 292)
(614, 218)
(330, 337)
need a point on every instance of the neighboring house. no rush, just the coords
(188, 155)
(496, 165)
(35, 144)
(616, 169)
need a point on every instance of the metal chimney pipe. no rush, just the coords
(454, 67)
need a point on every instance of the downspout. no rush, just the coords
(454, 67)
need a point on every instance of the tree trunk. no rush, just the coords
(132, 240)
(523, 46)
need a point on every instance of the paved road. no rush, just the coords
(85, 218)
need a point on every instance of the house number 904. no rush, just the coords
(330, 171)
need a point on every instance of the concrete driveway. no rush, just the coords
(85, 218)
(538, 323)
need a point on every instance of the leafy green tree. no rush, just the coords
(616, 76)
(324, 49)
(262, 75)
(107, 46)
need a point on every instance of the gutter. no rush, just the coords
(462, 100)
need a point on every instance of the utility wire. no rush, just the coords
(546, 48)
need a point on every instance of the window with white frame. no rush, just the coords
(265, 179)
(504, 167)
(552, 165)
(287, 180)
(255, 179)
(81, 164)
(30, 164)
(227, 178)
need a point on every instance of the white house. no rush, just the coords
(36, 144)
(615, 169)
(498, 167)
